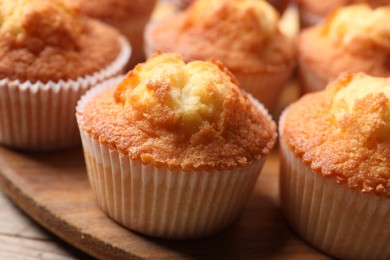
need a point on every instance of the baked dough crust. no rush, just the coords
(149, 128)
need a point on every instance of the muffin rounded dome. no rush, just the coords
(255, 14)
(46, 40)
(188, 116)
(360, 23)
(312, 12)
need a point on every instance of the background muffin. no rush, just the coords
(244, 35)
(313, 12)
(335, 178)
(354, 39)
(180, 146)
(129, 17)
(49, 57)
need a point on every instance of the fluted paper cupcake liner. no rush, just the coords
(162, 202)
(41, 116)
(345, 223)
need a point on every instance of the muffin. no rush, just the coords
(355, 39)
(280, 5)
(129, 17)
(49, 57)
(243, 34)
(335, 167)
(173, 150)
(313, 12)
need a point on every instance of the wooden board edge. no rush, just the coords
(68, 233)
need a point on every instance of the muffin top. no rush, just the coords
(187, 116)
(243, 34)
(353, 39)
(43, 40)
(326, 7)
(360, 24)
(343, 132)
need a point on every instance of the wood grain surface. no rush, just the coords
(54, 190)
(22, 238)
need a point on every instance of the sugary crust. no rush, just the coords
(348, 150)
(326, 7)
(329, 58)
(239, 135)
(96, 47)
(116, 11)
(240, 47)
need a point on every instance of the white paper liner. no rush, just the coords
(40, 116)
(161, 202)
(345, 223)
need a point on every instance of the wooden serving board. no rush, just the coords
(53, 189)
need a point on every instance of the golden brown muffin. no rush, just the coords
(354, 39)
(49, 57)
(313, 12)
(190, 131)
(243, 34)
(335, 175)
(128, 16)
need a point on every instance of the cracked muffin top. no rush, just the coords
(190, 116)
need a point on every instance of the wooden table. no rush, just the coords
(22, 238)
